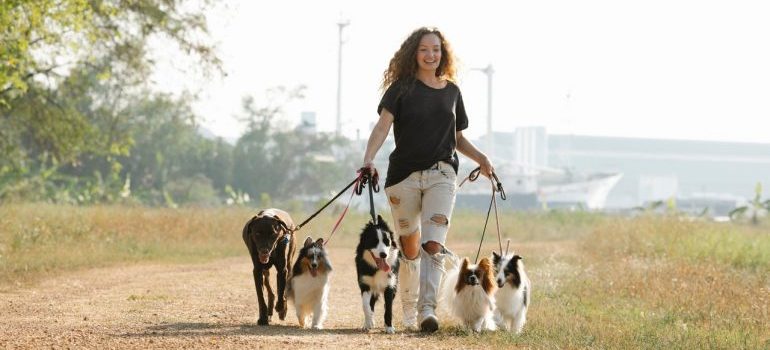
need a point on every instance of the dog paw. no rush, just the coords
(368, 324)
(390, 330)
(282, 309)
(263, 322)
(318, 326)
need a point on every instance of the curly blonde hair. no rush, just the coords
(403, 65)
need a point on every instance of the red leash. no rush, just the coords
(339, 221)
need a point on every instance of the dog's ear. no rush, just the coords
(464, 265)
(485, 265)
(281, 225)
(247, 227)
(319, 242)
(495, 257)
(308, 242)
(517, 257)
(487, 281)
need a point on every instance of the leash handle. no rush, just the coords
(373, 179)
(497, 186)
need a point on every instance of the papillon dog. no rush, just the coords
(474, 295)
(513, 294)
(309, 283)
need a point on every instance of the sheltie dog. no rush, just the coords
(474, 295)
(309, 283)
(377, 271)
(513, 295)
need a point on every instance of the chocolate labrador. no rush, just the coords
(269, 236)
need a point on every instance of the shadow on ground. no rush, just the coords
(223, 329)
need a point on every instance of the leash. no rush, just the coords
(356, 180)
(364, 176)
(362, 179)
(345, 211)
(374, 186)
(497, 186)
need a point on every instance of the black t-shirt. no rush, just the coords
(424, 126)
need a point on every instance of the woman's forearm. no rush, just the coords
(378, 136)
(467, 148)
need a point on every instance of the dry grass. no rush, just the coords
(599, 282)
(38, 240)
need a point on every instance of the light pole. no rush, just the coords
(341, 24)
(488, 70)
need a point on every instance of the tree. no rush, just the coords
(69, 72)
(285, 163)
(754, 209)
(49, 37)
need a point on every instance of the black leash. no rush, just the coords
(374, 186)
(356, 180)
(497, 186)
(364, 176)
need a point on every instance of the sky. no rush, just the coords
(697, 70)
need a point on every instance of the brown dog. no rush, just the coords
(269, 236)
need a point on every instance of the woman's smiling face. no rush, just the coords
(429, 52)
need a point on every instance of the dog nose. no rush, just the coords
(383, 255)
(314, 265)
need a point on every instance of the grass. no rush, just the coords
(38, 240)
(598, 281)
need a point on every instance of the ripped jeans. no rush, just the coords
(424, 202)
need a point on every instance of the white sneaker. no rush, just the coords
(431, 274)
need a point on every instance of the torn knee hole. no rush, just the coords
(431, 247)
(394, 200)
(440, 219)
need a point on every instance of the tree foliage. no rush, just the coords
(80, 124)
(46, 38)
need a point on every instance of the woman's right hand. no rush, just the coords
(369, 167)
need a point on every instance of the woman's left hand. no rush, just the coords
(486, 167)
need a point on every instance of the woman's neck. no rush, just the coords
(428, 78)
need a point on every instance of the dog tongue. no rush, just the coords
(313, 272)
(383, 265)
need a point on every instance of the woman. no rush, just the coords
(425, 107)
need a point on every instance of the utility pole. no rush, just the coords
(341, 24)
(489, 71)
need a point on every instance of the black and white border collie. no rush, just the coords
(377, 269)
(309, 283)
(513, 294)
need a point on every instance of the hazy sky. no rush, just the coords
(656, 69)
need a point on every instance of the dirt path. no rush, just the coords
(211, 305)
